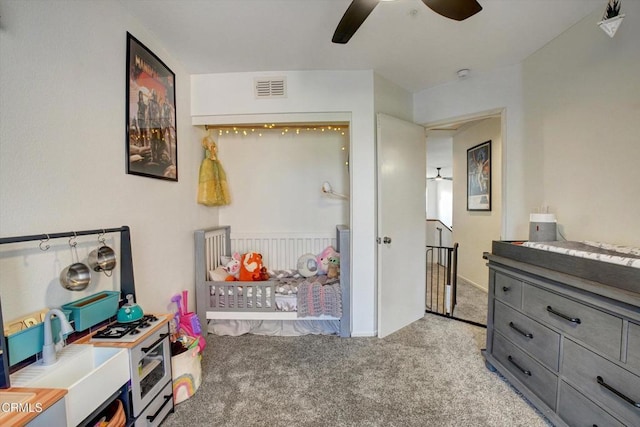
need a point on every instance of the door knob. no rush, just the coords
(386, 240)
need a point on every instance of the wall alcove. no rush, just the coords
(275, 169)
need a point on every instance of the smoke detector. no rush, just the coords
(463, 73)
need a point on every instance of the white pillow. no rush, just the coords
(218, 275)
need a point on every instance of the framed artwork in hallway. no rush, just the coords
(479, 177)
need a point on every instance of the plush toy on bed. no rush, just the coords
(233, 268)
(218, 275)
(333, 270)
(251, 268)
(323, 259)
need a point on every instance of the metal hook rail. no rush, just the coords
(17, 239)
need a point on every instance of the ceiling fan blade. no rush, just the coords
(355, 15)
(458, 10)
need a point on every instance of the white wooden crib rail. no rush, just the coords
(280, 251)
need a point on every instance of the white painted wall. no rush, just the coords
(440, 201)
(475, 230)
(484, 93)
(62, 154)
(215, 96)
(391, 99)
(582, 106)
(440, 193)
(275, 180)
(445, 201)
(570, 113)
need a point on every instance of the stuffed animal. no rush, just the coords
(333, 270)
(251, 268)
(307, 265)
(323, 260)
(233, 268)
(218, 275)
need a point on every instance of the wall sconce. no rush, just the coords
(326, 189)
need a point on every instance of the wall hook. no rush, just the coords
(72, 240)
(42, 245)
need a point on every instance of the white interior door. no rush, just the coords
(401, 223)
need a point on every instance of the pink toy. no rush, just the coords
(188, 321)
(233, 268)
(323, 259)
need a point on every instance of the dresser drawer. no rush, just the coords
(538, 340)
(532, 374)
(508, 289)
(576, 410)
(594, 327)
(585, 369)
(633, 349)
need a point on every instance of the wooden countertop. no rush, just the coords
(164, 319)
(42, 400)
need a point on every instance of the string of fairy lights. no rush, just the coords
(282, 129)
(271, 128)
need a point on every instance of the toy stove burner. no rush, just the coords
(125, 331)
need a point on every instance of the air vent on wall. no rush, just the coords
(270, 88)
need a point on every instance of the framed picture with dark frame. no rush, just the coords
(479, 177)
(152, 144)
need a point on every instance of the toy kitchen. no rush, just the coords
(115, 369)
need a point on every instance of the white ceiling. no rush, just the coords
(403, 40)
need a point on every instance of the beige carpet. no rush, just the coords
(471, 302)
(430, 373)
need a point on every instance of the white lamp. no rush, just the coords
(326, 189)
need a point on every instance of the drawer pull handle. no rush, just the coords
(520, 331)
(524, 371)
(153, 417)
(146, 349)
(506, 289)
(564, 316)
(616, 392)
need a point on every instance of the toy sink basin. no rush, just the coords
(89, 374)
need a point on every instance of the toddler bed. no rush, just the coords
(315, 304)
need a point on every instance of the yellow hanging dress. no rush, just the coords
(213, 189)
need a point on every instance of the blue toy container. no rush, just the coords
(91, 310)
(29, 341)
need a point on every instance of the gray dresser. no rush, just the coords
(565, 331)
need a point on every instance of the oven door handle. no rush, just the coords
(146, 349)
(153, 417)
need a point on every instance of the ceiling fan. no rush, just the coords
(358, 11)
(439, 177)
